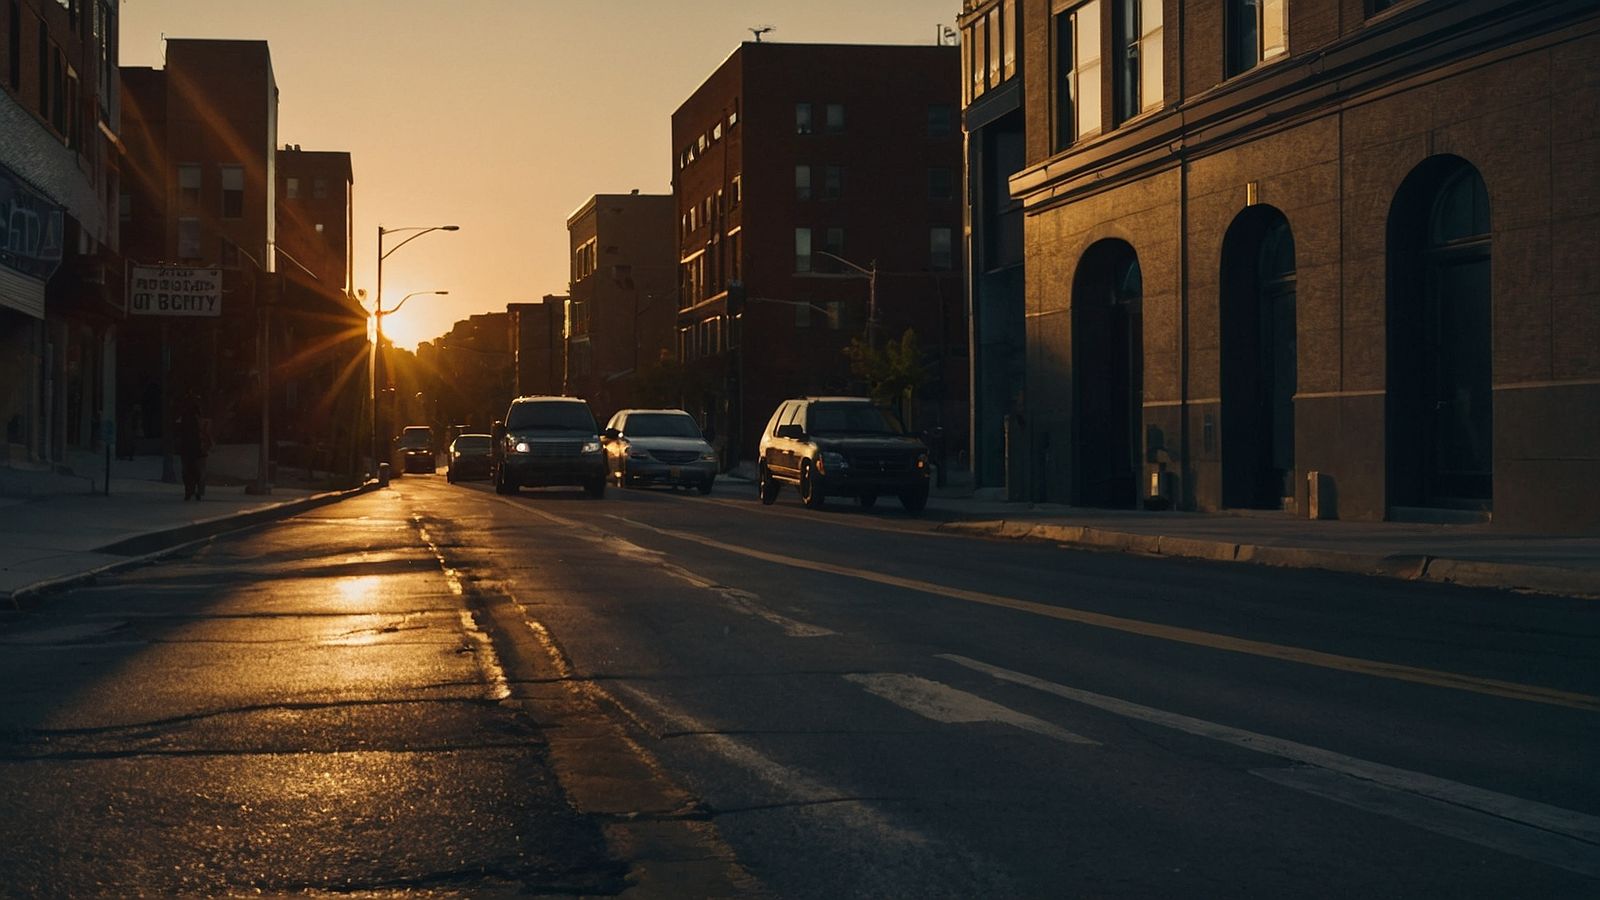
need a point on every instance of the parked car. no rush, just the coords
(841, 446)
(658, 446)
(470, 456)
(414, 449)
(548, 441)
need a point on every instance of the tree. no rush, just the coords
(892, 373)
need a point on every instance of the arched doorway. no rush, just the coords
(1440, 396)
(1258, 360)
(1107, 368)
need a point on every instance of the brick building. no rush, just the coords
(319, 384)
(539, 345)
(60, 267)
(468, 374)
(1346, 237)
(621, 296)
(788, 159)
(201, 191)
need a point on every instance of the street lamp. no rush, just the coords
(871, 272)
(374, 356)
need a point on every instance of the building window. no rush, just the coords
(58, 93)
(74, 111)
(802, 182)
(977, 57)
(14, 45)
(1257, 30)
(716, 131)
(233, 192)
(319, 228)
(188, 238)
(735, 255)
(833, 242)
(319, 188)
(835, 118)
(1008, 39)
(802, 118)
(44, 69)
(736, 194)
(941, 120)
(941, 184)
(802, 249)
(733, 117)
(124, 207)
(1377, 6)
(941, 249)
(1077, 81)
(189, 187)
(292, 188)
(996, 39)
(1136, 42)
(832, 182)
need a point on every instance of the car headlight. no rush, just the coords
(708, 456)
(592, 447)
(922, 460)
(833, 460)
(521, 447)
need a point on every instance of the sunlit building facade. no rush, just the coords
(60, 268)
(797, 170)
(1334, 258)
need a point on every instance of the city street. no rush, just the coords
(434, 689)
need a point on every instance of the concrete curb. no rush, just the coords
(1411, 567)
(145, 548)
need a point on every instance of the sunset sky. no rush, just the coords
(501, 116)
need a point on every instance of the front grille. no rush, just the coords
(875, 461)
(555, 448)
(675, 457)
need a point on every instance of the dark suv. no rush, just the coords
(831, 446)
(548, 441)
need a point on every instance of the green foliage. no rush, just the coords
(892, 373)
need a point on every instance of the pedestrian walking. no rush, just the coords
(194, 444)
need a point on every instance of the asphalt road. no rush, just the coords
(705, 696)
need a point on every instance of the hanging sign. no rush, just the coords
(169, 291)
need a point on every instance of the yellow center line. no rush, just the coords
(1455, 681)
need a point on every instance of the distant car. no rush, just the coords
(471, 456)
(659, 446)
(548, 441)
(832, 446)
(414, 447)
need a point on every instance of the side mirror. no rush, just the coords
(611, 434)
(792, 432)
(498, 431)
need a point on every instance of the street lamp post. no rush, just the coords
(871, 271)
(374, 356)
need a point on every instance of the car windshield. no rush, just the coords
(559, 416)
(473, 443)
(850, 418)
(415, 438)
(677, 425)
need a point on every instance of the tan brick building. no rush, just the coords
(1266, 238)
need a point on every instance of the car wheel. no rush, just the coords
(500, 484)
(915, 500)
(595, 488)
(867, 501)
(704, 487)
(766, 487)
(810, 492)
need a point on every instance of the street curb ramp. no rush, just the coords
(144, 548)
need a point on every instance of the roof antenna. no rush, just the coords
(758, 32)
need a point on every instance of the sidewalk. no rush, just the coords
(55, 532)
(1471, 555)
